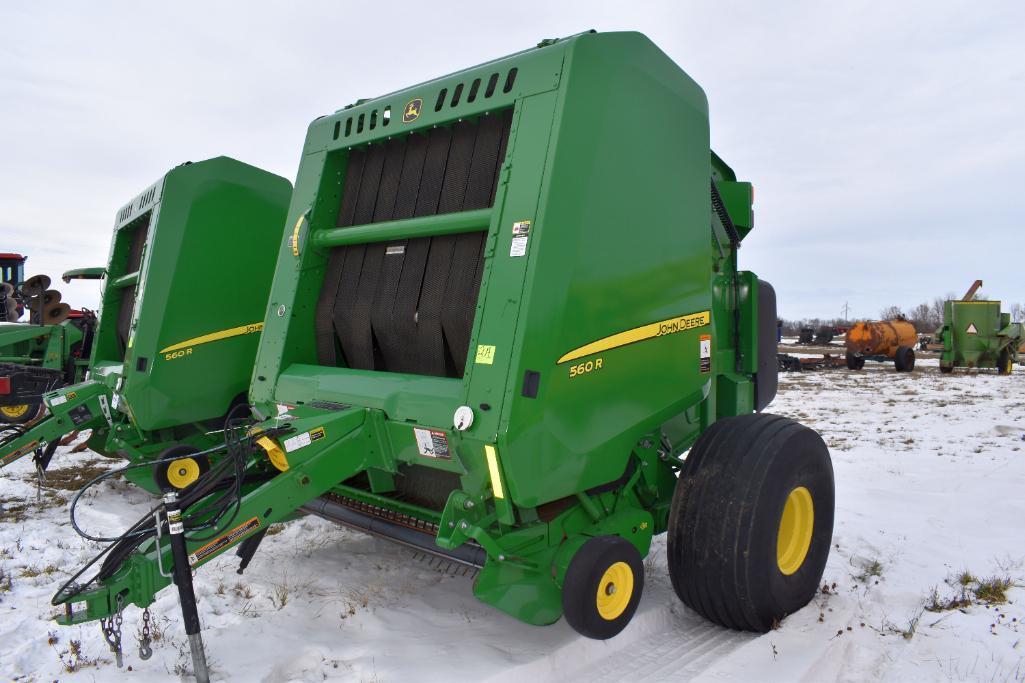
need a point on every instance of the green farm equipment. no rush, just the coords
(186, 287)
(507, 327)
(51, 349)
(975, 334)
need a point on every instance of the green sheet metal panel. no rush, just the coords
(185, 350)
(619, 243)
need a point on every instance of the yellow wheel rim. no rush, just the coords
(795, 528)
(14, 412)
(182, 472)
(615, 590)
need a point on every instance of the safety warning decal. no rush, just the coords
(431, 442)
(972, 329)
(303, 440)
(521, 233)
(217, 545)
(11, 457)
(705, 352)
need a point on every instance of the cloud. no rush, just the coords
(885, 141)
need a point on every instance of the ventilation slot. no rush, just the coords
(510, 78)
(146, 198)
(492, 82)
(411, 309)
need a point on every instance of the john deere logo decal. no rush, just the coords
(412, 111)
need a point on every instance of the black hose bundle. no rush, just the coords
(10, 432)
(198, 512)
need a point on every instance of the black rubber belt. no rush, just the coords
(411, 310)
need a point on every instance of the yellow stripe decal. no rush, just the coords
(680, 323)
(215, 336)
(496, 478)
(295, 235)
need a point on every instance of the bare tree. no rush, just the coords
(1017, 312)
(921, 315)
(936, 311)
(891, 313)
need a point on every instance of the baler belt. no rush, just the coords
(137, 242)
(124, 316)
(408, 305)
(133, 262)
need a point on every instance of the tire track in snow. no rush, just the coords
(665, 641)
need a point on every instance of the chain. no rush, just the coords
(145, 651)
(111, 627)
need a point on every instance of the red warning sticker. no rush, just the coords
(431, 442)
(220, 543)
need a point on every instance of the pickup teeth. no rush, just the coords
(403, 519)
(444, 566)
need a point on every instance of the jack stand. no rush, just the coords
(182, 573)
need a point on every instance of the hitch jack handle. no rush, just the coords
(182, 575)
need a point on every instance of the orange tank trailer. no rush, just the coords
(894, 339)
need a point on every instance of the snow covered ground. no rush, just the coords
(930, 480)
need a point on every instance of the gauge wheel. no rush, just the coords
(182, 471)
(603, 586)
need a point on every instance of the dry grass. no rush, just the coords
(33, 571)
(969, 590)
(73, 659)
(870, 570)
(75, 477)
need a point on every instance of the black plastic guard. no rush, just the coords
(767, 376)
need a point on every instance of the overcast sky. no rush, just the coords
(886, 141)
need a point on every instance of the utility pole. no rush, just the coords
(845, 308)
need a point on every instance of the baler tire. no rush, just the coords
(751, 521)
(593, 572)
(166, 480)
(1005, 365)
(20, 414)
(946, 370)
(904, 359)
(855, 362)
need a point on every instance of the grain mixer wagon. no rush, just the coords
(507, 327)
(975, 334)
(186, 287)
(50, 349)
(882, 340)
